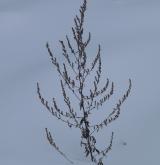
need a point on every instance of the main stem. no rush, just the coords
(89, 146)
(85, 115)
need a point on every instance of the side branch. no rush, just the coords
(56, 112)
(70, 83)
(116, 111)
(106, 150)
(53, 144)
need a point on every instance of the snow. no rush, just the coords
(128, 31)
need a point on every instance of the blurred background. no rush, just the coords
(129, 33)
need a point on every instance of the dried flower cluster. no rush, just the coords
(76, 62)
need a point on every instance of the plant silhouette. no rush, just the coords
(74, 74)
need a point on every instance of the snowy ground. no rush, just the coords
(129, 32)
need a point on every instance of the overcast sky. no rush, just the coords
(129, 33)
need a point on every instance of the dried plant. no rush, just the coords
(74, 73)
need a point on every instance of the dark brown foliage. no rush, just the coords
(76, 62)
